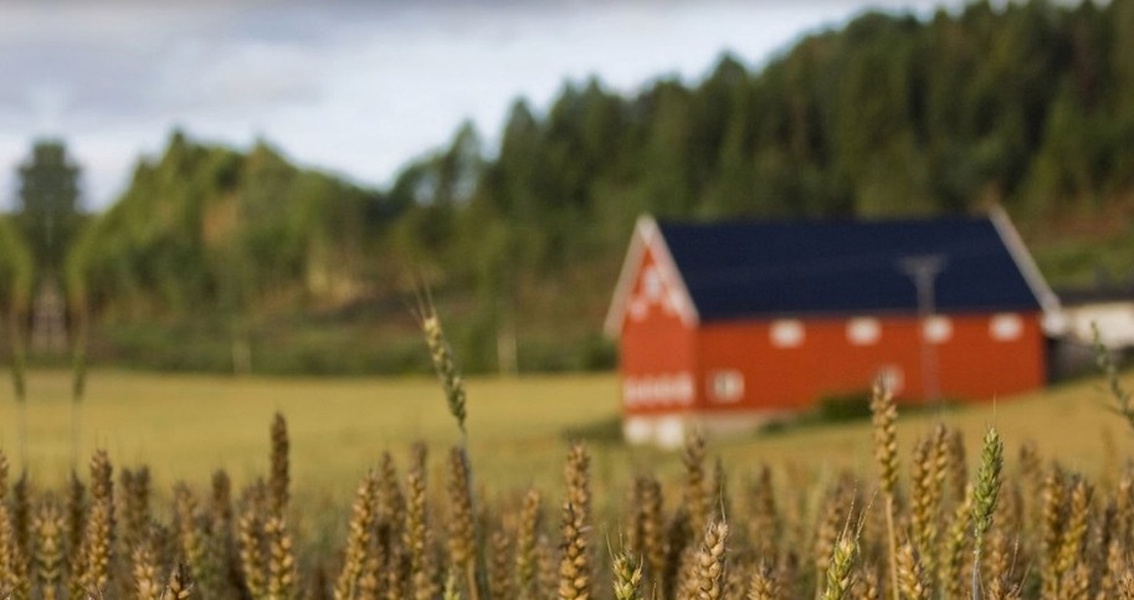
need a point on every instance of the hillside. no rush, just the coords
(1030, 106)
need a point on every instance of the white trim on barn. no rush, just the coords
(1054, 322)
(647, 235)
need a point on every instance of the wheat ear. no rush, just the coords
(416, 531)
(279, 479)
(359, 538)
(48, 526)
(840, 573)
(574, 566)
(984, 498)
(180, 586)
(98, 536)
(144, 568)
(250, 536)
(526, 545)
(763, 584)
(441, 354)
(884, 416)
(710, 563)
(627, 577)
(462, 532)
(695, 495)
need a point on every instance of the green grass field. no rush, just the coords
(184, 427)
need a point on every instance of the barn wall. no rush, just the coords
(788, 365)
(975, 365)
(657, 350)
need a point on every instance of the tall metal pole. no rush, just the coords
(923, 270)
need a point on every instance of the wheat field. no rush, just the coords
(211, 487)
(185, 426)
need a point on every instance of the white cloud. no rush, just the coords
(351, 87)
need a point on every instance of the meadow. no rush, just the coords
(186, 426)
(182, 428)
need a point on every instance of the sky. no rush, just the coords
(357, 88)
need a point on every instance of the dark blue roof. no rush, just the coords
(741, 269)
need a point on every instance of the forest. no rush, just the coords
(255, 264)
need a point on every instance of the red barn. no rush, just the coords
(729, 325)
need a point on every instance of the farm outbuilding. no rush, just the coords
(727, 326)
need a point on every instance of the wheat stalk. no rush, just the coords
(763, 519)
(574, 566)
(840, 572)
(281, 560)
(220, 557)
(710, 563)
(180, 584)
(694, 496)
(98, 536)
(526, 562)
(136, 505)
(1074, 534)
(13, 565)
(627, 577)
(20, 505)
(251, 541)
(48, 526)
(441, 354)
(1053, 518)
(360, 537)
(884, 417)
(499, 576)
(952, 555)
(190, 539)
(763, 584)
(956, 467)
(416, 532)
(462, 532)
(279, 479)
(144, 568)
(985, 494)
(911, 574)
(928, 529)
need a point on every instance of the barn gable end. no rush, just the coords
(648, 249)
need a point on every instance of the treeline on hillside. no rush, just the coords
(1028, 105)
(208, 228)
(16, 272)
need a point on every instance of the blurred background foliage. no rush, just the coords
(215, 258)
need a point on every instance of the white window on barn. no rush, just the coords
(1006, 327)
(864, 331)
(726, 386)
(787, 333)
(937, 329)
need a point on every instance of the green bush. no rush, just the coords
(849, 406)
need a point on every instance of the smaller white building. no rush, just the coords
(1110, 310)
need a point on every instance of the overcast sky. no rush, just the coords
(356, 88)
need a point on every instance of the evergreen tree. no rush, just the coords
(48, 203)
